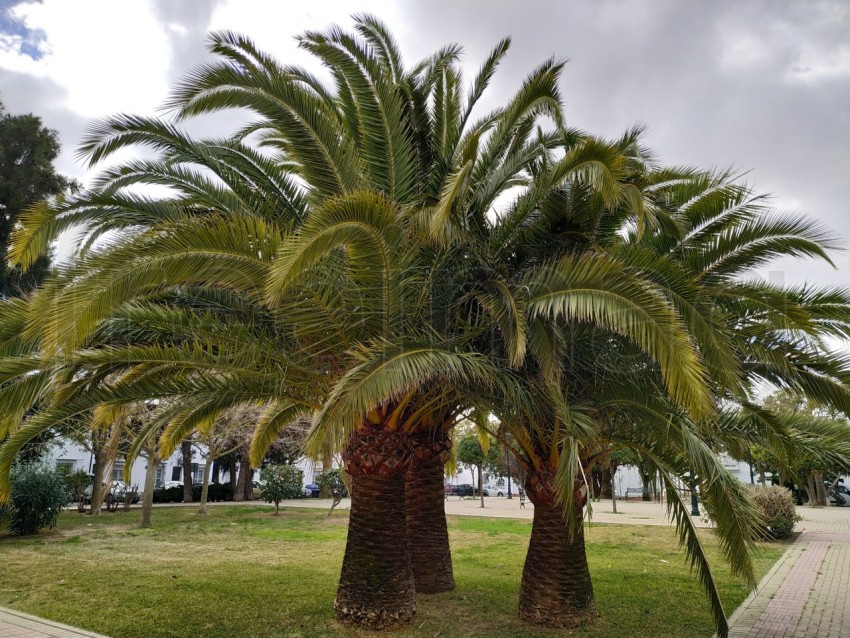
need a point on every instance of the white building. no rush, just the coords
(74, 457)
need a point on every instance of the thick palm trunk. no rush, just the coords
(427, 532)
(376, 586)
(556, 590)
(186, 451)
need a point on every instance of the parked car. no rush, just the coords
(494, 489)
(839, 495)
(172, 484)
(311, 490)
(462, 489)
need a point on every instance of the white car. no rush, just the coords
(170, 484)
(494, 489)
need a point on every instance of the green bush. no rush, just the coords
(76, 484)
(38, 495)
(281, 482)
(776, 505)
(331, 481)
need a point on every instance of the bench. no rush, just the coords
(636, 491)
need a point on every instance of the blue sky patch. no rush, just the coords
(28, 40)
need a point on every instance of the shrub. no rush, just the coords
(216, 492)
(776, 505)
(76, 484)
(38, 495)
(333, 481)
(281, 482)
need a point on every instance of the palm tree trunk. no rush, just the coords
(376, 587)
(147, 496)
(427, 532)
(205, 490)
(186, 451)
(556, 590)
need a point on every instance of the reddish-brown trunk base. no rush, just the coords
(376, 587)
(427, 532)
(556, 590)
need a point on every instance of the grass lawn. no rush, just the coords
(240, 572)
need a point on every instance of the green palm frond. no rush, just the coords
(386, 372)
(593, 288)
(275, 417)
(364, 224)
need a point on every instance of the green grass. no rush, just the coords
(240, 572)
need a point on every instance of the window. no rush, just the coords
(65, 466)
(197, 473)
(117, 472)
(160, 475)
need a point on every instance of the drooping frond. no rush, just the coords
(593, 288)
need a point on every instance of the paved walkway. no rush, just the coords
(806, 593)
(634, 512)
(14, 624)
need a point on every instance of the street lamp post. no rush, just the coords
(694, 502)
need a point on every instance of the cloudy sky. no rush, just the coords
(763, 86)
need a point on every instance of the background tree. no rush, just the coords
(219, 435)
(186, 463)
(481, 453)
(281, 482)
(288, 447)
(333, 481)
(27, 175)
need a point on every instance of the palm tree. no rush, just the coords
(376, 151)
(590, 361)
(349, 269)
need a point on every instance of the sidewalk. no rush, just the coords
(14, 624)
(634, 512)
(806, 593)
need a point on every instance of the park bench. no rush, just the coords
(636, 491)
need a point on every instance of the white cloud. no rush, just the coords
(110, 56)
(274, 26)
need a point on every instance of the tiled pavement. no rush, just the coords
(14, 624)
(806, 593)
